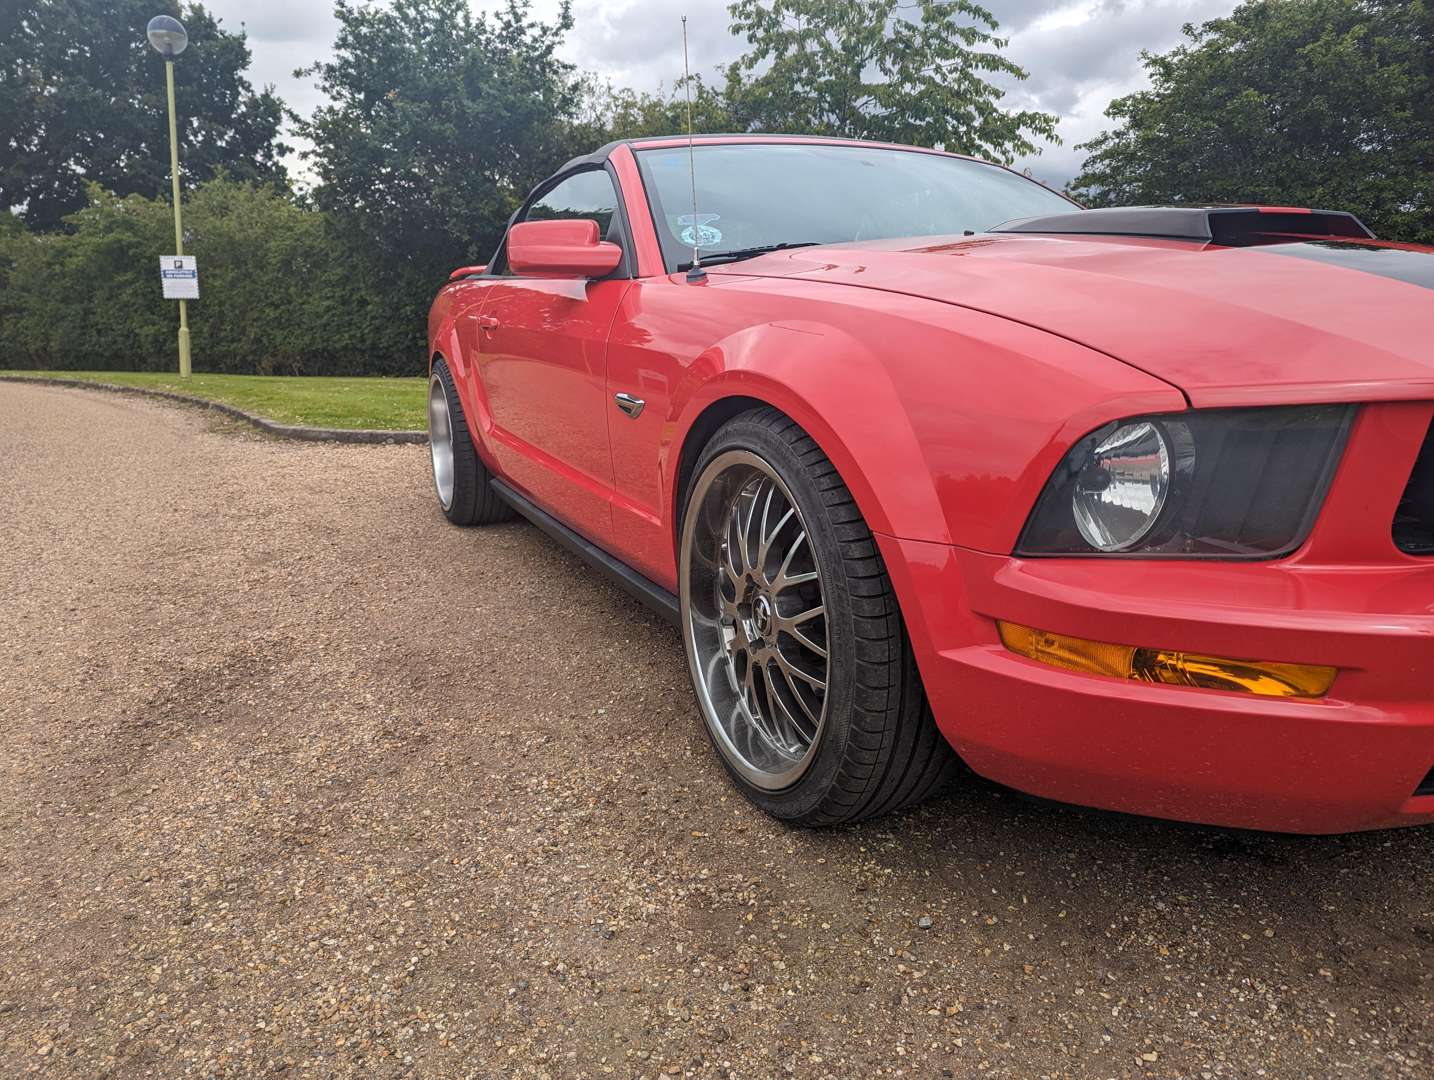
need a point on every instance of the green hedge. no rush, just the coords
(282, 291)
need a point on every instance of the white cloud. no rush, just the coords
(1082, 55)
(283, 35)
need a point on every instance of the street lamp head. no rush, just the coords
(167, 35)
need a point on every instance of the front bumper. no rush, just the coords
(1351, 760)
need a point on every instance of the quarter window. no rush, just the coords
(588, 195)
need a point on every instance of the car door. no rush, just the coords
(541, 354)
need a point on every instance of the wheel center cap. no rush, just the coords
(762, 616)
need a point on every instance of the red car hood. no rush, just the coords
(1288, 323)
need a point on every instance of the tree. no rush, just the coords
(1326, 103)
(880, 69)
(607, 113)
(439, 121)
(275, 298)
(82, 100)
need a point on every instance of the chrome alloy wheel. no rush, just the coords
(755, 620)
(440, 440)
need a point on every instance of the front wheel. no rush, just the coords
(794, 640)
(460, 479)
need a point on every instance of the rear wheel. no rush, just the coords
(460, 478)
(794, 641)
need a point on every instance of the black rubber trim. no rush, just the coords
(649, 592)
(1426, 786)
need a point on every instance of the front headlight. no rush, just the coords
(1232, 483)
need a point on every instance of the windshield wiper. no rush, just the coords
(747, 253)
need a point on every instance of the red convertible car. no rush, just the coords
(1132, 508)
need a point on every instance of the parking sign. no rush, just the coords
(180, 277)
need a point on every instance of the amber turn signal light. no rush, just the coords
(1166, 667)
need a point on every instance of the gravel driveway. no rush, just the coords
(297, 779)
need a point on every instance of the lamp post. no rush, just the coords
(168, 37)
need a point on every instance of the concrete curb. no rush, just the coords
(284, 431)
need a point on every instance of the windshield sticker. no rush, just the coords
(699, 231)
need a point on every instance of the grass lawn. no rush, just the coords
(317, 401)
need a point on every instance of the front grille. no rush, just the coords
(1414, 520)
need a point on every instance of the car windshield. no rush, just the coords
(753, 195)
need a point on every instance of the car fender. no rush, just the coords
(788, 365)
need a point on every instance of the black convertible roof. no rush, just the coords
(1230, 225)
(597, 157)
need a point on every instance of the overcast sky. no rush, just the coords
(1080, 53)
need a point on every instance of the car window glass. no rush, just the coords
(756, 194)
(587, 195)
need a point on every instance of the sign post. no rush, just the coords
(178, 226)
(167, 35)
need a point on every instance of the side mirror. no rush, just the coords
(561, 249)
(466, 271)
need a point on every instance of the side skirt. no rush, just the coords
(649, 592)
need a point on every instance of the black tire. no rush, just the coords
(471, 498)
(876, 748)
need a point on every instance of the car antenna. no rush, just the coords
(695, 271)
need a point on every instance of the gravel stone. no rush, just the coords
(296, 778)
